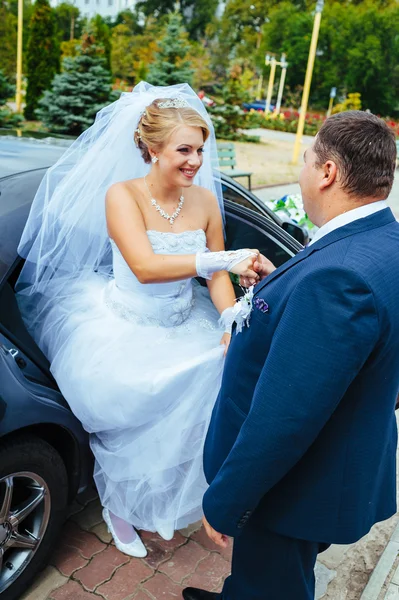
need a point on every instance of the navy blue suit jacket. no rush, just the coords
(304, 428)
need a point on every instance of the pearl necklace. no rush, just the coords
(163, 213)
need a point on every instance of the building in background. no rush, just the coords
(105, 8)
(220, 8)
(110, 8)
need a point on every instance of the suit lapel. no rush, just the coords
(379, 219)
(302, 254)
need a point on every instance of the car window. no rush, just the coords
(242, 234)
(237, 198)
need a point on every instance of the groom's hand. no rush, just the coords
(263, 267)
(219, 538)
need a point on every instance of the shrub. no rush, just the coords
(78, 93)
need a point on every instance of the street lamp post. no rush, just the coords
(308, 80)
(260, 86)
(273, 63)
(333, 93)
(18, 101)
(284, 66)
(270, 60)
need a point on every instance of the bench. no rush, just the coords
(227, 158)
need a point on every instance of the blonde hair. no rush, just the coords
(157, 125)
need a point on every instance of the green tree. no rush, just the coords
(130, 19)
(78, 92)
(156, 7)
(200, 61)
(171, 65)
(358, 50)
(100, 31)
(122, 53)
(196, 14)
(43, 54)
(131, 54)
(228, 116)
(373, 58)
(69, 23)
(241, 25)
(7, 90)
(8, 36)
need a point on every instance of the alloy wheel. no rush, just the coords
(25, 506)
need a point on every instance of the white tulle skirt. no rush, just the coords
(145, 393)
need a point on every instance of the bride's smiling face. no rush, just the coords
(182, 156)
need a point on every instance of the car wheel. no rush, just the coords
(33, 502)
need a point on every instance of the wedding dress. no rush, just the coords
(140, 366)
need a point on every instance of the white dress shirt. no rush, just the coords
(348, 217)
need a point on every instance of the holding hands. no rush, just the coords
(262, 267)
(239, 262)
(248, 263)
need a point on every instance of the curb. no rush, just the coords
(383, 570)
(272, 185)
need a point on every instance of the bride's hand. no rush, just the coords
(225, 341)
(245, 268)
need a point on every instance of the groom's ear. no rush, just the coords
(329, 174)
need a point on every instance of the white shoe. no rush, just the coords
(166, 532)
(135, 548)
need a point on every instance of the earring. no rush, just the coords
(154, 159)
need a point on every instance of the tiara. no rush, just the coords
(174, 103)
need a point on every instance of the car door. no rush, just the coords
(236, 193)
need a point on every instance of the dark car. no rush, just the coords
(45, 459)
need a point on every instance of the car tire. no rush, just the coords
(31, 472)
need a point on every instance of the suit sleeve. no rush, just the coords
(328, 330)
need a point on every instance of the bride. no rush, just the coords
(117, 234)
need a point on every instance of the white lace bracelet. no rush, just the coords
(207, 263)
(227, 319)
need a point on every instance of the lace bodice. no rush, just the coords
(186, 242)
(167, 303)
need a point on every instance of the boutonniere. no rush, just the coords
(261, 305)
(243, 308)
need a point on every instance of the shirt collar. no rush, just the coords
(348, 217)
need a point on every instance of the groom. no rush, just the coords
(300, 452)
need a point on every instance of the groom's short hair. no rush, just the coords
(364, 150)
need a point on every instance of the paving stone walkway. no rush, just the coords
(87, 566)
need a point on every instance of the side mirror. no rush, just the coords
(296, 231)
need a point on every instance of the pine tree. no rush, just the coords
(171, 65)
(43, 54)
(78, 92)
(8, 37)
(7, 90)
